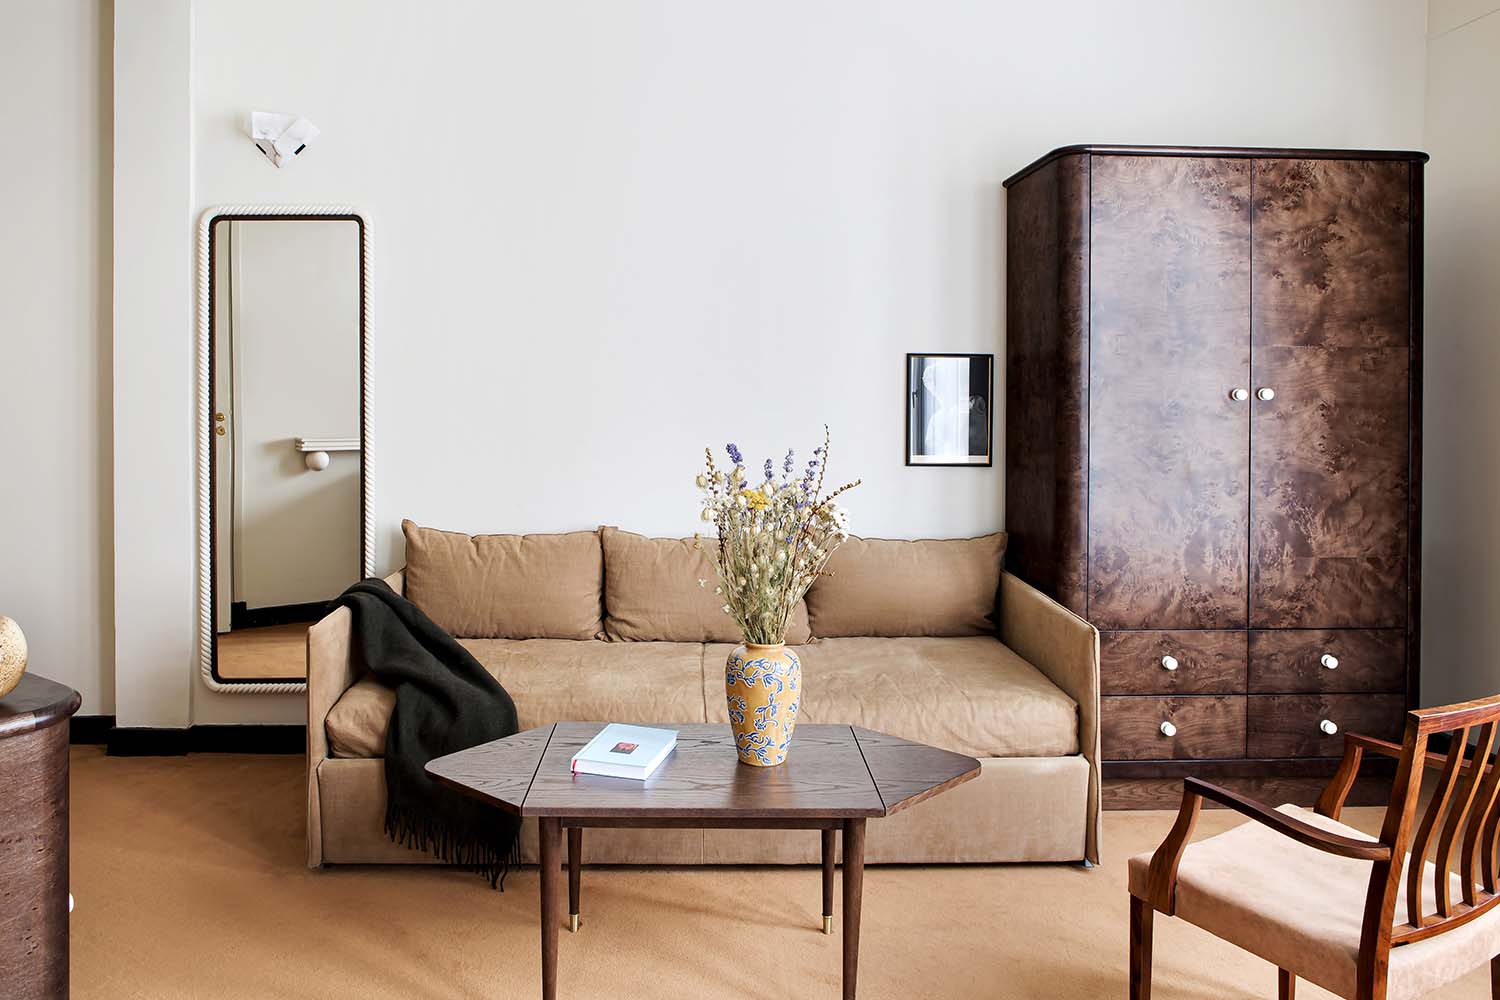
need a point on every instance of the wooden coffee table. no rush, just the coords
(835, 778)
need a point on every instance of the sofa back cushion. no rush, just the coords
(507, 586)
(884, 587)
(651, 592)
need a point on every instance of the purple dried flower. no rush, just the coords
(786, 466)
(770, 472)
(734, 453)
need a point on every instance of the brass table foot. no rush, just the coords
(573, 922)
(827, 923)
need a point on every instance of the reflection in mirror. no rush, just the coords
(285, 452)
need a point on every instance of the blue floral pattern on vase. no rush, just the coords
(763, 689)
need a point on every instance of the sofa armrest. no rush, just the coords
(1065, 648)
(331, 671)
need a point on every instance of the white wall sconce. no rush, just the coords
(281, 136)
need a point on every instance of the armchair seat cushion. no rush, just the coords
(1301, 909)
(972, 695)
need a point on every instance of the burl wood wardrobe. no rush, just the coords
(1213, 444)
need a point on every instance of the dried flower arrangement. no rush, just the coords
(774, 537)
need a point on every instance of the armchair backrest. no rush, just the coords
(1461, 821)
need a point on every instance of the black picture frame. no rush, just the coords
(981, 425)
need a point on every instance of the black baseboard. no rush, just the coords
(131, 741)
(90, 730)
(279, 614)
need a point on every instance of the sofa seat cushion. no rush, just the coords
(971, 695)
(551, 680)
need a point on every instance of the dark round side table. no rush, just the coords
(34, 838)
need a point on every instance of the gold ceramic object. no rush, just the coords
(12, 655)
(763, 686)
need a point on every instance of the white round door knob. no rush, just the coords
(1169, 662)
(1328, 727)
(317, 461)
(1167, 729)
(1330, 661)
(1267, 394)
(1239, 395)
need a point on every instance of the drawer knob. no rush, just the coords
(1328, 727)
(1330, 661)
(1239, 395)
(1167, 729)
(1170, 662)
(1265, 395)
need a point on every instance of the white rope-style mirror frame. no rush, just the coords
(205, 439)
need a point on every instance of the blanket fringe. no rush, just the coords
(491, 858)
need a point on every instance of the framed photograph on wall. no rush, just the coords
(950, 409)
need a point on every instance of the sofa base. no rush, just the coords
(1018, 809)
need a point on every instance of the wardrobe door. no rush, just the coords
(1169, 304)
(1331, 329)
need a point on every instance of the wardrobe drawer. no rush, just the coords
(1288, 725)
(1203, 726)
(1172, 662)
(1292, 660)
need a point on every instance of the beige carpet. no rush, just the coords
(189, 880)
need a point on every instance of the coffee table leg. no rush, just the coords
(575, 875)
(830, 838)
(854, 883)
(549, 833)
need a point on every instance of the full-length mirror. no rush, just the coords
(285, 433)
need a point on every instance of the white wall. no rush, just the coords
(155, 510)
(608, 234)
(1461, 533)
(55, 522)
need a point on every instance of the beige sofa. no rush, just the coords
(927, 640)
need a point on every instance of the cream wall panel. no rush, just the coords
(55, 443)
(1460, 530)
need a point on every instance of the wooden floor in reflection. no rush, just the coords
(274, 652)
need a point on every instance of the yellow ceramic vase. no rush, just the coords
(763, 685)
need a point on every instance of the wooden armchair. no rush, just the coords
(1365, 919)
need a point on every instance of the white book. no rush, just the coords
(621, 751)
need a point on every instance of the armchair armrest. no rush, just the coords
(1161, 879)
(331, 671)
(1065, 648)
(1331, 801)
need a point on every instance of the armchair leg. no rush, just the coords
(1286, 985)
(1140, 949)
(1495, 978)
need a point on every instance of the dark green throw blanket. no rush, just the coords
(445, 702)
